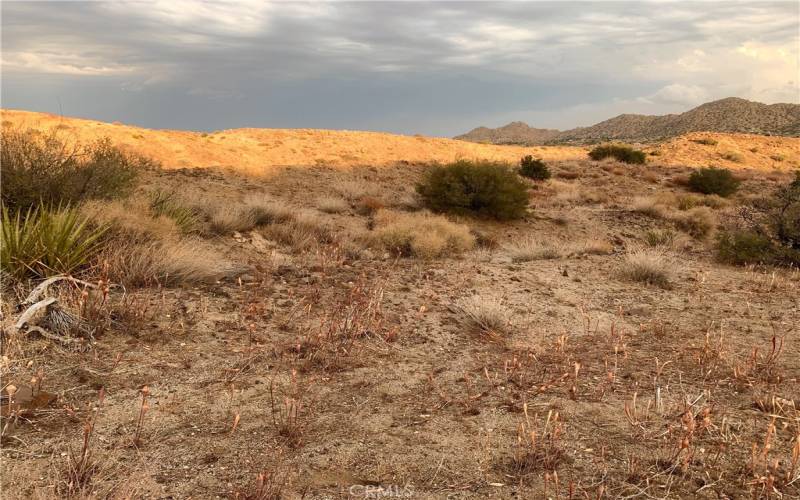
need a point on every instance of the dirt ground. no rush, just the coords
(603, 388)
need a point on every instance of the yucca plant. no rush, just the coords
(20, 248)
(47, 240)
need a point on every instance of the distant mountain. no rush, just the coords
(513, 133)
(726, 115)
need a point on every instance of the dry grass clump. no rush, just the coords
(660, 238)
(647, 266)
(167, 262)
(650, 206)
(594, 246)
(485, 314)
(302, 231)
(332, 205)
(354, 189)
(699, 222)
(266, 210)
(130, 220)
(531, 248)
(421, 234)
(229, 218)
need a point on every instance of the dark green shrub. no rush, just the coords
(534, 168)
(481, 187)
(621, 152)
(745, 247)
(772, 234)
(719, 181)
(786, 220)
(42, 168)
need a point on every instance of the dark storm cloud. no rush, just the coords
(437, 68)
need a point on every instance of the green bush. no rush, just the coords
(772, 231)
(719, 181)
(745, 247)
(786, 219)
(621, 152)
(481, 187)
(37, 168)
(534, 168)
(43, 241)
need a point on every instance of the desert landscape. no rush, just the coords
(281, 314)
(273, 250)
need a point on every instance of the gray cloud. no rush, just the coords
(437, 68)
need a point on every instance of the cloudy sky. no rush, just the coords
(437, 68)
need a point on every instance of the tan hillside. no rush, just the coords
(256, 150)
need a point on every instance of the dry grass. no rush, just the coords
(130, 220)
(354, 189)
(421, 234)
(332, 205)
(530, 248)
(699, 222)
(267, 210)
(594, 246)
(303, 231)
(167, 262)
(650, 206)
(485, 314)
(647, 266)
(227, 219)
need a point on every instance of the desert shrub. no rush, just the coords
(733, 156)
(777, 158)
(768, 232)
(43, 241)
(786, 221)
(620, 152)
(229, 218)
(38, 168)
(129, 220)
(650, 206)
(698, 221)
(368, 205)
(487, 315)
(658, 238)
(706, 141)
(719, 181)
(475, 187)
(267, 210)
(528, 249)
(165, 204)
(745, 247)
(332, 205)
(534, 168)
(166, 263)
(421, 234)
(646, 266)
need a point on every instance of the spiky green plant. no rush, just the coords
(20, 248)
(47, 240)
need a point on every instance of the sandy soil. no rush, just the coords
(659, 392)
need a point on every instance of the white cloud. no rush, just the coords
(678, 94)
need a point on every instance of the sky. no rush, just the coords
(434, 68)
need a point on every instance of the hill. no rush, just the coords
(732, 115)
(261, 151)
(513, 133)
(256, 150)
